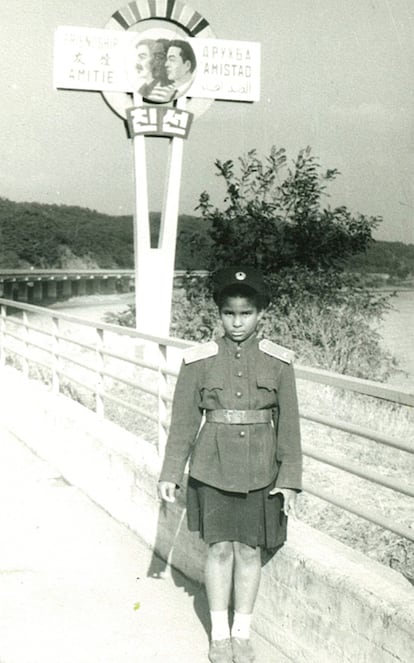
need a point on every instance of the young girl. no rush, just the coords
(245, 461)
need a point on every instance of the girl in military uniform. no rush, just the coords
(245, 460)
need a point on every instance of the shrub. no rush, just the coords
(274, 215)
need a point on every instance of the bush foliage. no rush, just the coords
(275, 218)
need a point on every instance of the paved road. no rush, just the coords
(71, 576)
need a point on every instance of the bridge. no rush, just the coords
(39, 286)
(44, 286)
(92, 400)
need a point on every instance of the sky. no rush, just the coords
(336, 75)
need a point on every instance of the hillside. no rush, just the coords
(61, 236)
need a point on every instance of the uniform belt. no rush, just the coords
(239, 416)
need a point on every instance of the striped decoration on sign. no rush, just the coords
(170, 10)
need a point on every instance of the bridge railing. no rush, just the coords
(113, 369)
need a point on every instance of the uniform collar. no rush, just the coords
(244, 345)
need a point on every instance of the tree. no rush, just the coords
(275, 218)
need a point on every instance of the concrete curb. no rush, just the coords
(319, 600)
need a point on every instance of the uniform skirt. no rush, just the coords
(255, 518)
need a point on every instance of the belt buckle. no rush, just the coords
(230, 416)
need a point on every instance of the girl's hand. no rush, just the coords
(166, 490)
(289, 500)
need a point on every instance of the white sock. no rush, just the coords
(241, 625)
(220, 629)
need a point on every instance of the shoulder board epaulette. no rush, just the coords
(275, 350)
(202, 351)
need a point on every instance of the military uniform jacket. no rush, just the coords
(235, 457)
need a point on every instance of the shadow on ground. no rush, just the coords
(172, 534)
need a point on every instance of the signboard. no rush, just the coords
(90, 59)
(156, 64)
(226, 70)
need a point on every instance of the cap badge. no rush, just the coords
(240, 276)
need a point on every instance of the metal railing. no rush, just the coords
(94, 357)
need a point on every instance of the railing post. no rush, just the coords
(56, 363)
(25, 335)
(3, 335)
(162, 403)
(99, 403)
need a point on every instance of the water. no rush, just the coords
(397, 331)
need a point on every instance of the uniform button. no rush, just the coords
(239, 394)
(238, 355)
(240, 374)
(242, 433)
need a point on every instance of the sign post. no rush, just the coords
(154, 267)
(158, 80)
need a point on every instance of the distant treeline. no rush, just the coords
(393, 258)
(61, 236)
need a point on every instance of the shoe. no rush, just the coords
(242, 651)
(220, 651)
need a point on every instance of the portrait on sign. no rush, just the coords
(159, 68)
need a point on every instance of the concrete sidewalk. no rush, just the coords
(74, 585)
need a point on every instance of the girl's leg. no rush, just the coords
(247, 573)
(218, 575)
(218, 580)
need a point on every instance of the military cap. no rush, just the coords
(243, 276)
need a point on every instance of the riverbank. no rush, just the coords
(397, 333)
(95, 307)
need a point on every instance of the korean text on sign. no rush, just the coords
(158, 121)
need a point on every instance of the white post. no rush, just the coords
(162, 403)
(99, 387)
(3, 335)
(154, 267)
(25, 353)
(56, 360)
